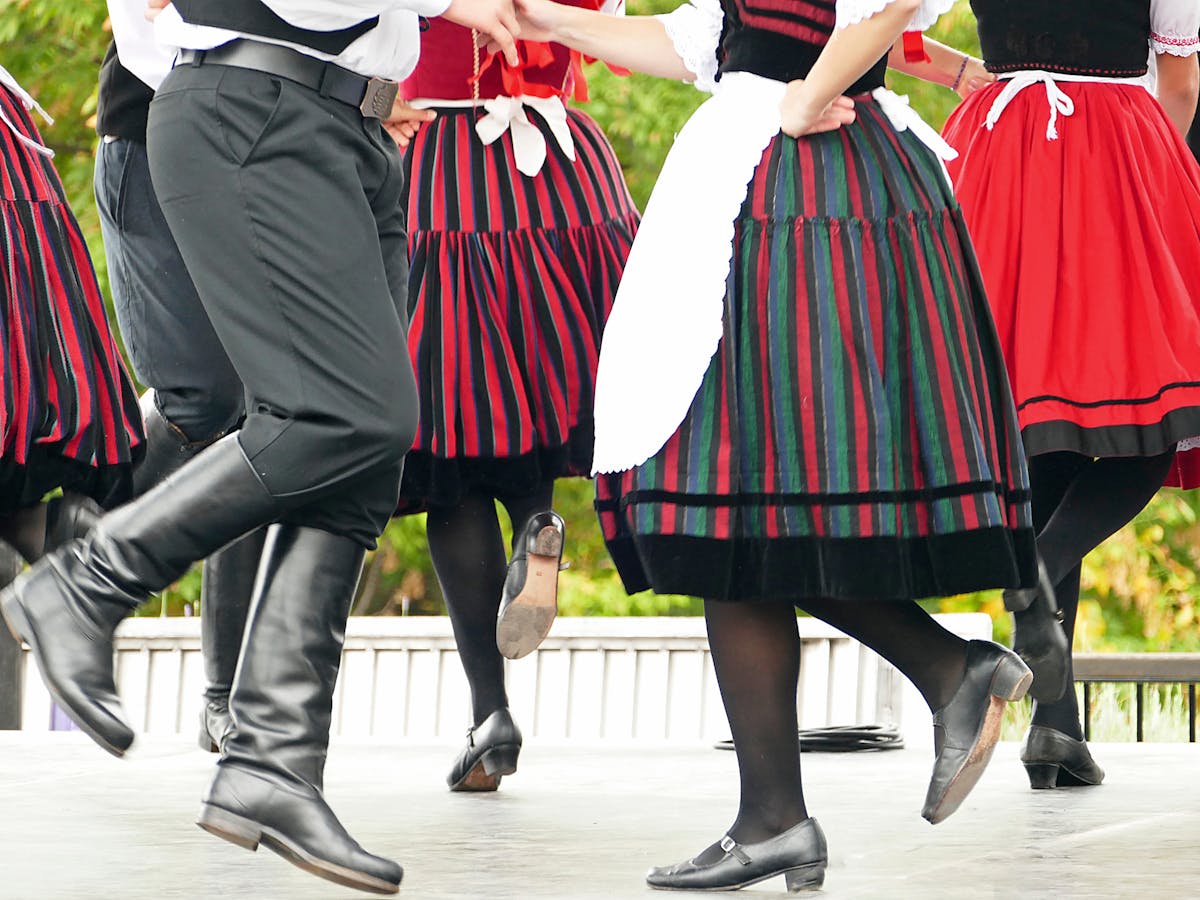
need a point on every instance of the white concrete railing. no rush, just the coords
(620, 679)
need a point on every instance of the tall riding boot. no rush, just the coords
(224, 605)
(268, 787)
(68, 605)
(228, 574)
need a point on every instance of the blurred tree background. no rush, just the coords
(1140, 587)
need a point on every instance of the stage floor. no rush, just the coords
(587, 820)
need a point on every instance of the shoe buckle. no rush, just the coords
(378, 98)
(730, 846)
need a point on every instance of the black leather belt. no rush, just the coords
(373, 97)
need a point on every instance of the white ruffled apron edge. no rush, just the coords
(668, 315)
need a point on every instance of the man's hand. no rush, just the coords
(404, 121)
(154, 7)
(495, 20)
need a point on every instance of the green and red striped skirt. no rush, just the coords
(854, 436)
(70, 415)
(512, 279)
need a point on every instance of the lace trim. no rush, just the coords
(1174, 44)
(1192, 443)
(851, 12)
(695, 31)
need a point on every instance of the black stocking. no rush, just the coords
(1063, 714)
(931, 657)
(25, 530)
(469, 557)
(756, 653)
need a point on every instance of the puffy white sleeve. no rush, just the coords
(1174, 26)
(851, 12)
(695, 30)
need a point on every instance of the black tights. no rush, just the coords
(756, 653)
(1077, 503)
(471, 562)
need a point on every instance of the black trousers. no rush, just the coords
(286, 208)
(166, 331)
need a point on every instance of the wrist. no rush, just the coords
(957, 80)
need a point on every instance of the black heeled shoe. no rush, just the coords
(966, 729)
(215, 723)
(800, 855)
(1039, 639)
(530, 599)
(1053, 759)
(491, 753)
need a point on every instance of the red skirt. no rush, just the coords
(1090, 252)
(510, 283)
(69, 416)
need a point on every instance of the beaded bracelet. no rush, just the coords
(961, 70)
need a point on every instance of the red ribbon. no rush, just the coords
(914, 47)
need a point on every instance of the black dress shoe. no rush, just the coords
(491, 753)
(296, 823)
(1053, 759)
(1039, 639)
(799, 854)
(215, 723)
(530, 599)
(966, 729)
(72, 642)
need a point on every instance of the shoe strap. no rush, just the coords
(734, 849)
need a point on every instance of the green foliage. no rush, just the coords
(1140, 588)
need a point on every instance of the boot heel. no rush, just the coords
(207, 743)
(1042, 776)
(501, 760)
(547, 543)
(1012, 679)
(806, 878)
(228, 826)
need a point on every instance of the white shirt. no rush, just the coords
(389, 50)
(140, 53)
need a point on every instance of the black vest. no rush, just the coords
(255, 17)
(1075, 37)
(124, 101)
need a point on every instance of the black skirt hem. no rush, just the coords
(793, 569)
(1112, 440)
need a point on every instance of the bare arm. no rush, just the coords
(1178, 88)
(946, 66)
(633, 42)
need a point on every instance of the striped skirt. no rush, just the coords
(70, 416)
(511, 281)
(854, 435)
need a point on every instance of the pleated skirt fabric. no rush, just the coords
(1090, 252)
(512, 278)
(854, 436)
(70, 416)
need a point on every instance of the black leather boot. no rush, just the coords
(268, 787)
(228, 574)
(224, 605)
(529, 602)
(67, 606)
(1039, 639)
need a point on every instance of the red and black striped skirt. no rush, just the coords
(511, 282)
(854, 436)
(70, 416)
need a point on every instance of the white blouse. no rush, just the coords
(1175, 27)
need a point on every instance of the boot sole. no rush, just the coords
(524, 623)
(485, 775)
(248, 834)
(18, 625)
(1010, 682)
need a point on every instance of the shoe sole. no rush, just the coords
(524, 623)
(801, 878)
(248, 834)
(18, 625)
(485, 775)
(1009, 683)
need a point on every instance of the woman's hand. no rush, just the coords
(974, 77)
(798, 117)
(154, 7)
(405, 121)
(538, 19)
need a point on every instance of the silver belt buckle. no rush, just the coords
(378, 98)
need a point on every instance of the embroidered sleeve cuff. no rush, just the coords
(695, 31)
(1175, 44)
